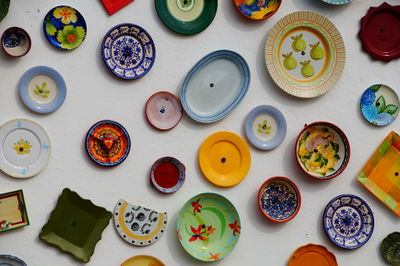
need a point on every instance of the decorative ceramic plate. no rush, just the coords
(379, 32)
(25, 148)
(186, 16)
(12, 211)
(108, 143)
(163, 110)
(113, 6)
(224, 159)
(8, 260)
(380, 175)
(16, 42)
(138, 225)
(390, 248)
(42, 89)
(75, 225)
(348, 221)
(312, 255)
(279, 199)
(4, 6)
(215, 86)
(167, 174)
(380, 105)
(128, 51)
(305, 54)
(64, 27)
(143, 260)
(322, 150)
(257, 9)
(208, 227)
(265, 127)
(337, 2)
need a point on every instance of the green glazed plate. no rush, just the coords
(390, 248)
(186, 16)
(208, 227)
(75, 225)
(4, 5)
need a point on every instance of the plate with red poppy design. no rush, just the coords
(208, 227)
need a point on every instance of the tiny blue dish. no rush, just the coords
(64, 28)
(128, 51)
(348, 221)
(42, 89)
(9, 260)
(265, 127)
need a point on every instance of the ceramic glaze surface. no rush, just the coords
(8, 260)
(16, 42)
(380, 105)
(215, 86)
(138, 225)
(257, 9)
(163, 110)
(128, 51)
(167, 174)
(13, 211)
(337, 2)
(208, 227)
(348, 221)
(312, 255)
(143, 260)
(390, 248)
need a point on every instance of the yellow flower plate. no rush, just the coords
(142, 260)
(224, 159)
(305, 54)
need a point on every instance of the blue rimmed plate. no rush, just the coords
(348, 221)
(128, 51)
(9, 260)
(64, 27)
(42, 89)
(167, 174)
(215, 86)
(265, 127)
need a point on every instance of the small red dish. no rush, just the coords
(163, 110)
(167, 174)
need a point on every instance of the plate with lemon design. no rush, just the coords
(322, 150)
(25, 148)
(305, 54)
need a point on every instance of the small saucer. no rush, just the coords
(337, 2)
(108, 143)
(257, 9)
(265, 127)
(16, 42)
(163, 110)
(9, 260)
(42, 89)
(167, 174)
(143, 260)
(279, 199)
(312, 255)
(389, 248)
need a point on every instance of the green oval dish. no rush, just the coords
(186, 16)
(390, 248)
(208, 227)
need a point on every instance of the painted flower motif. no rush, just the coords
(384, 119)
(370, 112)
(278, 201)
(197, 233)
(4, 224)
(368, 97)
(264, 128)
(347, 222)
(210, 230)
(66, 14)
(235, 227)
(41, 90)
(71, 37)
(196, 207)
(22, 147)
(214, 256)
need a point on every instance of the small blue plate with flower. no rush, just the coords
(348, 221)
(380, 105)
(128, 51)
(64, 27)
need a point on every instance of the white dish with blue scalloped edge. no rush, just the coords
(215, 86)
(265, 127)
(9, 260)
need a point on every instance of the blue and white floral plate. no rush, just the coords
(265, 127)
(9, 260)
(128, 51)
(348, 221)
(42, 89)
(379, 105)
(64, 27)
(279, 199)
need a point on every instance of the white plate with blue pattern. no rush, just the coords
(337, 2)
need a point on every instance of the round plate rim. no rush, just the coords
(386, 239)
(343, 2)
(313, 247)
(16, 259)
(177, 164)
(26, 35)
(255, 19)
(142, 255)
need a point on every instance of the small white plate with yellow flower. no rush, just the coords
(25, 148)
(322, 150)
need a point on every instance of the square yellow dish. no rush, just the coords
(12, 211)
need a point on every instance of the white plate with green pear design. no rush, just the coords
(305, 54)
(25, 148)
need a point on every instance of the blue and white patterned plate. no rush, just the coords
(128, 51)
(265, 127)
(8, 260)
(42, 89)
(337, 2)
(348, 221)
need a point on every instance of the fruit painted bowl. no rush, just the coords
(390, 248)
(279, 199)
(163, 110)
(322, 150)
(16, 42)
(208, 227)
(257, 9)
(167, 174)
(312, 255)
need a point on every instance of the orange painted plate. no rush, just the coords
(224, 159)
(312, 255)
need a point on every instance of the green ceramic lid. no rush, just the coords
(186, 16)
(390, 248)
